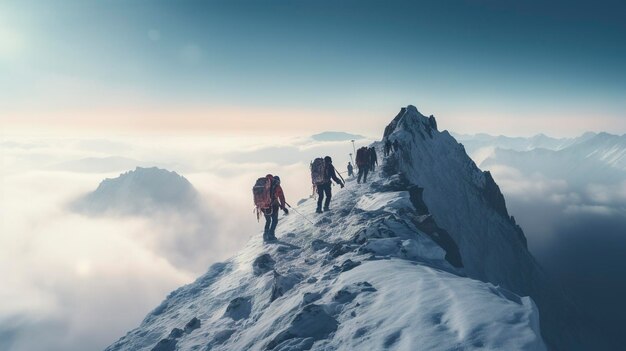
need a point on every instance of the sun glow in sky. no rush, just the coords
(296, 66)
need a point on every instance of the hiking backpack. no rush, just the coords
(318, 168)
(362, 156)
(262, 194)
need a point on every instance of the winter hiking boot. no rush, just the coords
(319, 210)
(326, 208)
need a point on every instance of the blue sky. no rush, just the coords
(493, 66)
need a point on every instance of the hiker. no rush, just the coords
(373, 159)
(268, 198)
(396, 145)
(387, 147)
(323, 186)
(363, 162)
(350, 170)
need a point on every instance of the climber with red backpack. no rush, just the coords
(322, 172)
(268, 198)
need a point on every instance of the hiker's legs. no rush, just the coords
(329, 194)
(365, 175)
(268, 223)
(358, 180)
(320, 196)
(274, 222)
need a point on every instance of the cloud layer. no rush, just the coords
(79, 281)
(575, 228)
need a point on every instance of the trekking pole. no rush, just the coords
(343, 180)
(298, 212)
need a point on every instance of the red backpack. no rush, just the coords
(261, 193)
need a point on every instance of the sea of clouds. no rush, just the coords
(75, 281)
(575, 224)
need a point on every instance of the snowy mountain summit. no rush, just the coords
(423, 257)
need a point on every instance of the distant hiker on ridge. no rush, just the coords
(350, 170)
(396, 145)
(268, 198)
(387, 147)
(363, 162)
(322, 172)
(373, 159)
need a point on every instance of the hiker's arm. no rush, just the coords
(334, 176)
(281, 197)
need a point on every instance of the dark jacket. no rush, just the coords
(329, 173)
(373, 156)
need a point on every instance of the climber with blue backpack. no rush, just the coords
(322, 172)
(268, 198)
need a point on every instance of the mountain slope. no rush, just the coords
(408, 260)
(469, 205)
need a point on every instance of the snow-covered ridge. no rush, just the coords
(390, 267)
(362, 277)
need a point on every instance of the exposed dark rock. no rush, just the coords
(176, 333)
(263, 264)
(281, 284)
(192, 325)
(392, 339)
(426, 224)
(221, 336)
(350, 292)
(520, 232)
(440, 236)
(348, 265)
(165, 345)
(433, 122)
(416, 196)
(310, 297)
(319, 244)
(339, 249)
(312, 322)
(239, 308)
(493, 196)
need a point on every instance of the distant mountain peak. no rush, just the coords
(140, 191)
(336, 136)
